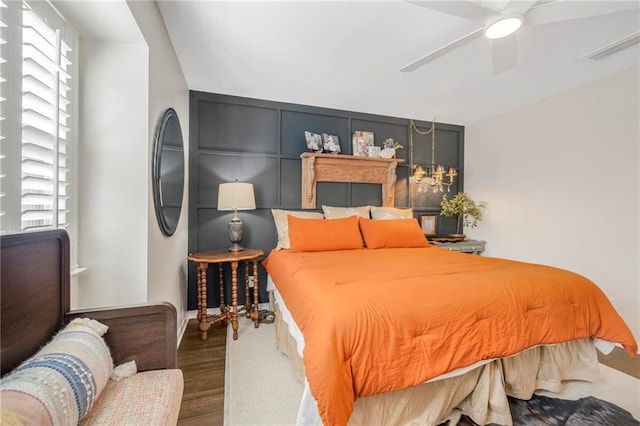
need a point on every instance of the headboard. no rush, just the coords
(34, 292)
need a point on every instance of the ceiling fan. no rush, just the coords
(501, 25)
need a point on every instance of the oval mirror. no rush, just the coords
(168, 172)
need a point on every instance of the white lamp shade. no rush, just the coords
(236, 195)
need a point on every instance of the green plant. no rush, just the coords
(468, 212)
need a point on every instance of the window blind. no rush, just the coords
(45, 116)
(4, 37)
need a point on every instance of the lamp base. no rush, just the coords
(235, 234)
(236, 247)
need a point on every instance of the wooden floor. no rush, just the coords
(202, 365)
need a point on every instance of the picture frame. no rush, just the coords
(331, 143)
(374, 151)
(314, 141)
(428, 223)
(361, 142)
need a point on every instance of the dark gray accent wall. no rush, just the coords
(260, 142)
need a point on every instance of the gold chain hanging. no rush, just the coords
(435, 176)
(431, 131)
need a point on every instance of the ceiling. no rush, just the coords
(348, 55)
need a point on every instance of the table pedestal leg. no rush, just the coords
(254, 311)
(247, 294)
(202, 299)
(221, 287)
(234, 299)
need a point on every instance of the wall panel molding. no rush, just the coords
(260, 141)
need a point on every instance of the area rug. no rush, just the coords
(261, 389)
(545, 411)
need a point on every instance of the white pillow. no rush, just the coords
(282, 225)
(342, 212)
(390, 213)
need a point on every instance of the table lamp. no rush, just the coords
(236, 196)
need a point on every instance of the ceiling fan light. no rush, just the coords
(503, 25)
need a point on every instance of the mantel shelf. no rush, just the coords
(347, 168)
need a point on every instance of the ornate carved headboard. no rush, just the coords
(347, 168)
(34, 292)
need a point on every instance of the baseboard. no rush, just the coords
(182, 327)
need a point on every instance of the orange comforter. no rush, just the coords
(379, 320)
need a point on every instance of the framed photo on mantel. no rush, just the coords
(331, 143)
(314, 141)
(361, 142)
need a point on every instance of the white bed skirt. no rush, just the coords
(480, 390)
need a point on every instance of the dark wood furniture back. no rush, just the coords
(34, 305)
(144, 333)
(34, 292)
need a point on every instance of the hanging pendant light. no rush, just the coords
(434, 176)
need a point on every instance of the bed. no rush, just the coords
(403, 332)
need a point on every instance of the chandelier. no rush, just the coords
(431, 177)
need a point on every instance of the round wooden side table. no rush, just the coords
(230, 313)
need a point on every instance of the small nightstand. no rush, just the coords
(467, 246)
(227, 313)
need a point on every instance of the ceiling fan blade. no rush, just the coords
(461, 9)
(505, 53)
(560, 11)
(442, 50)
(520, 6)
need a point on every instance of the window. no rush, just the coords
(36, 118)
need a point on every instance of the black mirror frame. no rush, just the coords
(166, 228)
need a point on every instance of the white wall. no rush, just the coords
(129, 76)
(113, 170)
(562, 180)
(167, 265)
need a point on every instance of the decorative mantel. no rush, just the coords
(347, 168)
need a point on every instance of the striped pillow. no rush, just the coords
(60, 383)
